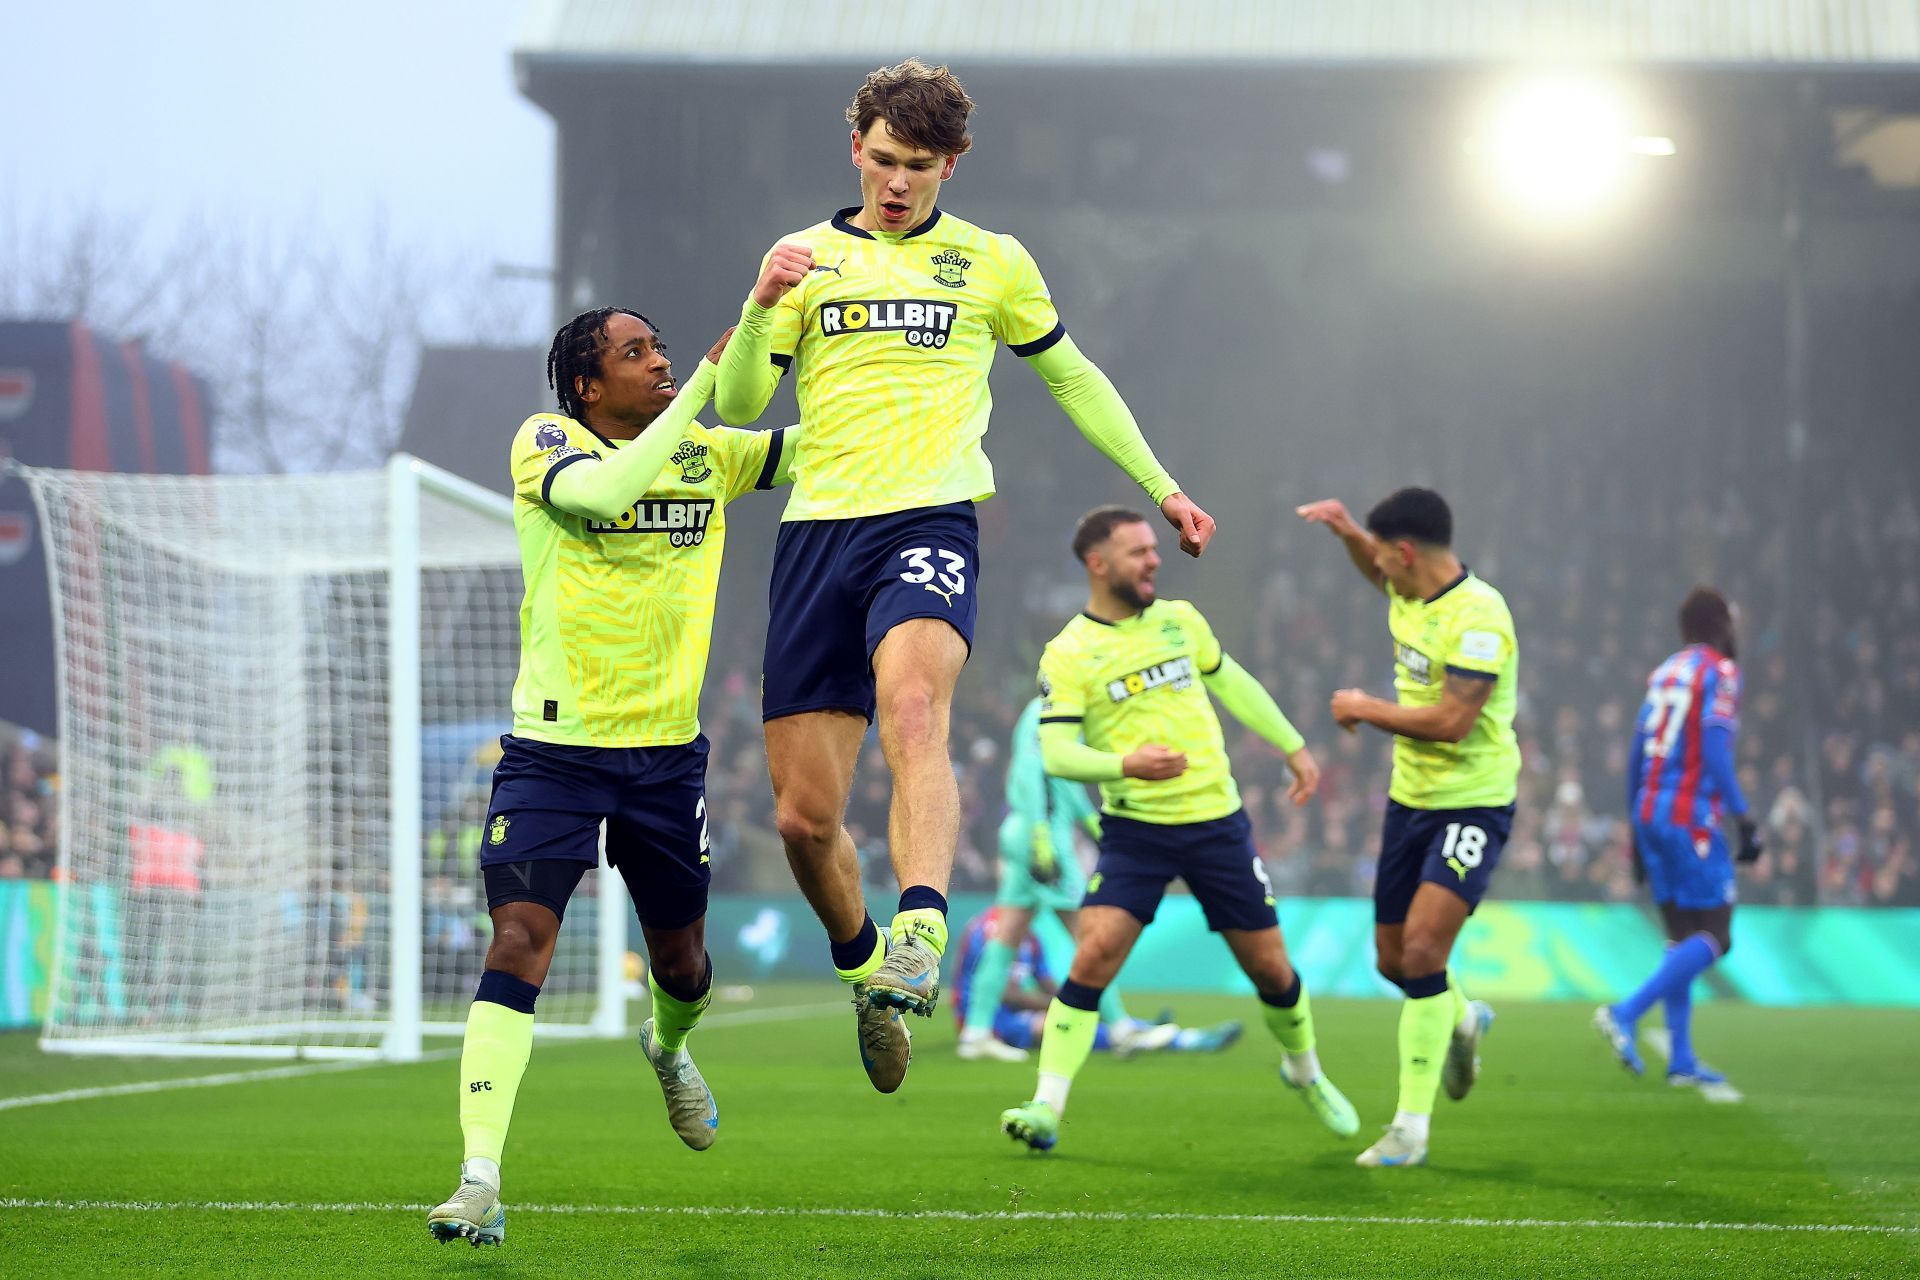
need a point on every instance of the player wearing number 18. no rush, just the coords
(888, 314)
(1456, 769)
(620, 505)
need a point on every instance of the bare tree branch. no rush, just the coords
(311, 345)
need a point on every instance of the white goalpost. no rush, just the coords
(280, 703)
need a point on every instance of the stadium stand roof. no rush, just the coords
(1864, 33)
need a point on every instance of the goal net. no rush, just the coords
(281, 699)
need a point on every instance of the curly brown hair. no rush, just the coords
(923, 106)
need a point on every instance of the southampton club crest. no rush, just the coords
(947, 267)
(692, 461)
(497, 833)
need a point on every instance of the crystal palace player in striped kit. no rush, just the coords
(888, 313)
(1125, 703)
(620, 506)
(1681, 788)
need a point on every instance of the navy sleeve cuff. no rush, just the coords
(1061, 719)
(772, 468)
(1041, 343)
(785, 362)
(1471, 674)
(546, 485)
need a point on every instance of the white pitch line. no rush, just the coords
(966, 1215)
(735, 1017)
(204, 1082)
(787, 1013)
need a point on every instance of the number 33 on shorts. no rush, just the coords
(946, 581)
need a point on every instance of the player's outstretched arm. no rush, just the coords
(1248, 701)
(748, 375)
(1090, 399)
(1332, 513)
(601, 488)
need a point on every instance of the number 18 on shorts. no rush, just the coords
(1454, 848)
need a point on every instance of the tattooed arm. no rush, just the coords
(1448, 720)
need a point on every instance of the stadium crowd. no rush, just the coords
(1630, 469)
(29, 805)
(1829, 756)
(1836, 779)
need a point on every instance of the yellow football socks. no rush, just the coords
(933, 930)
(1426, 1028)
(494, 1057)
(673, 1018)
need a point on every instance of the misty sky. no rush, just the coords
(289, 114)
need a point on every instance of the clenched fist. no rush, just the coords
(1196, 526)
(786, 267)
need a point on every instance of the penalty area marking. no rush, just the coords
(736, 1017)
(965, 1215)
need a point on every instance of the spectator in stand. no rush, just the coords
(29, 805)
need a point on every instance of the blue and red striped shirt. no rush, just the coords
(1028, 962)
(1682, 761)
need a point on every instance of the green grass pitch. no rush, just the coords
(1170, 1165)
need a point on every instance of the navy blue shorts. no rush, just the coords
(840, 585)
(549, 801)
(1216, 859)
(1454, 848)
(1688, 867)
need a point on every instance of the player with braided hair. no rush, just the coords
(575, 355)
(619, 504)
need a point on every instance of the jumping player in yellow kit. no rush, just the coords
(888, 314)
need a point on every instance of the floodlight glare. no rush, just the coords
(1559, 147)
